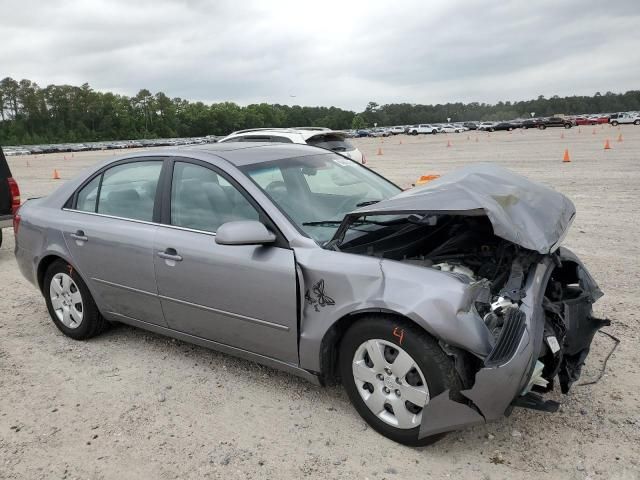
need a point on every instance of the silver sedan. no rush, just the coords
(436, 307)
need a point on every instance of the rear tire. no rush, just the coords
(542, 127)
(567, 125)
(397, 339)
(637, 122)
(614, 123)
(70, 303)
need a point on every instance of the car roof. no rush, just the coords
(305, 132)
(240, 154)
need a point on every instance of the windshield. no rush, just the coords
(316, 192)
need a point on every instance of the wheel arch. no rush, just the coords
(44, 264)
(330, 344)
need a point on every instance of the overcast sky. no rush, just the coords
(343, 53)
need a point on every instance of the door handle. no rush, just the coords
(80, 236)
(170, 254)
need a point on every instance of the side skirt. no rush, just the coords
(220, 347)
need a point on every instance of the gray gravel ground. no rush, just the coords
(132, 404)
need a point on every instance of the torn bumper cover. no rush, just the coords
(498, 386)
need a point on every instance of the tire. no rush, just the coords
(414, 132)
(79, 327)
(567, 125)
(433, 132)
(492, 129)
(614, 123)
(434, 368)
(542, 127)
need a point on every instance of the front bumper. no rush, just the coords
(496, 387)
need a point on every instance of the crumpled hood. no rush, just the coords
(526, 213)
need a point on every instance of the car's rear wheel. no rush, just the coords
(567, 125)
(70, 303)
(636, 122)
(614, 123)
(542, 127)
(390, 369)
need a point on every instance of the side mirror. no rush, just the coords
(245, 232)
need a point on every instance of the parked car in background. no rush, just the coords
(423, 128)
(316, 136)
(486, 126)
(503, 126)
(397, 130)
(625, 118)
(555, 122)
(471, 125)
(9, 195)
(448, 128)
(380, 132)
(579, 121)
(531, 123)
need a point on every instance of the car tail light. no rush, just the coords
(15, 194)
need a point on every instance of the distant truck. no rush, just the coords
(422, 128)
(555, 122)
(624, 118)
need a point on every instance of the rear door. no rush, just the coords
(244, 296)
(110, 230)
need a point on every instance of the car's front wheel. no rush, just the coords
(390, 369)
(614, 123)
(70, 303)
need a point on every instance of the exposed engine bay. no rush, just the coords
(467, 247)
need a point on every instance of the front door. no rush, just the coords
(242, 296)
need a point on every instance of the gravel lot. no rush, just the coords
(131, 404)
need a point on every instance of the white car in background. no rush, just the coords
(448, 128)
(397, 130)
(316, 136)
(486, 126)
(422, 128)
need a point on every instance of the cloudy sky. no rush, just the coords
(342, 53)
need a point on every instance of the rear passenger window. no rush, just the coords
(88, 196)
(129, 190)
(203, 200)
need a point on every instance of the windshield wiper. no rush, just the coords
(368, 202)
(321, 223)
(363, 221)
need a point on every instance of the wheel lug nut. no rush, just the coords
(397, 393)
(380, 376)
(398, 381)
(387, 371)
(385, 390)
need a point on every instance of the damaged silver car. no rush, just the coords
(438, 307)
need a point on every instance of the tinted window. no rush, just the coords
(335, 143)
(203, 200)
(88, 195)
(129, 190)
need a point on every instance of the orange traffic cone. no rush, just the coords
(65, 157)
(379, 151)
(425, 179)
(566, 158)
(620, 137)
(606, 145)
(400, 142)
(448, 143)
(562, 135)
(56, 175)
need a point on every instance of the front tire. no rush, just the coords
(390, 369)
(70, 303)
(636, 122)
(614, 123)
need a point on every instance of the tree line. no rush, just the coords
(30, 114)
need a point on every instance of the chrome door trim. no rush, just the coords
(238, 316)
(264, 323)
